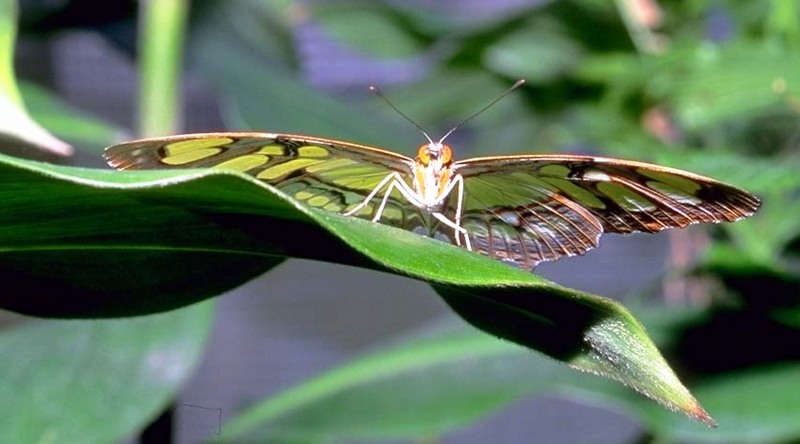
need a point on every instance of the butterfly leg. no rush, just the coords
(395, 181)
(457, 181)
(404, 189)
(371, 195)
(459, 231)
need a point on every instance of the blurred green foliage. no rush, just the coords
(706, 86)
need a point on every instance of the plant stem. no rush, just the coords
(161, 33)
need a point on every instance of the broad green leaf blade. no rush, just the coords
(114, 253)
(597, 336)
(52, 216)
(95, 381)
(89, 282)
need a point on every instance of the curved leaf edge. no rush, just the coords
(493, 272)
(449, 267)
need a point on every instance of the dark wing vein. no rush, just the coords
(519, 219)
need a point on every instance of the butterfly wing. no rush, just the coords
(529, 209)
(522, 209)
(322, 173)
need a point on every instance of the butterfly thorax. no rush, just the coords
(432, 173)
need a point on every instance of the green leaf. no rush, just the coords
(16, 125)
(709, 85)
(376, 30)
(742, 369)
(535, 54)
(425, 386)
(66, 121)
(262, 91)
(8, 37)
(95, 381)
(106, 252)
(757, 405)
(116, 244)
(428, 384)
(448, 96)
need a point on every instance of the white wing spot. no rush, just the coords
(592, 174)
(510, 217)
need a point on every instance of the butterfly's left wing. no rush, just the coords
(529, 209)
(322, 173)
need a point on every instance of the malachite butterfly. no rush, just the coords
(519, 209)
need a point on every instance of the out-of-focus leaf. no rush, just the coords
(8, 37)
(66, 121)
(95, 381)
(757, 405)
(783, 23)
(375, 30)
(16, 125)
(432, 384)
(439, 21)
(448, 96)
(618, 70)
(425, 386)
(708, 85)
(535, 54)
(262, 92)
(265, 28)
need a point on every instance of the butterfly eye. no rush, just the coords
(424, 154)
(446, 155)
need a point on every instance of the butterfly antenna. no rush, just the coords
(377, 92)
(516, 85)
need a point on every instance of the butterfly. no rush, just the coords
(522, 209)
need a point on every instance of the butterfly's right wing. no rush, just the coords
(322, 173)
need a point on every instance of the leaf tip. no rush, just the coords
(697, 412)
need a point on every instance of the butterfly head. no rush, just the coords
(436, 154)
